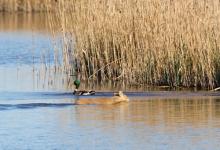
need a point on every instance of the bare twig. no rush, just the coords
(216, 89)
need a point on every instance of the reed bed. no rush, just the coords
(25, 5)
(152, 42)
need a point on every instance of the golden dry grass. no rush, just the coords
(25, 5)
(152, 42)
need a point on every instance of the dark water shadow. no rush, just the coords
(69, 95)
(34, 105)
(34, 95)
(153, 94)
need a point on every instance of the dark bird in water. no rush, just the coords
(81, 92)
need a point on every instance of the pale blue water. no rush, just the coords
(35, 115)
(24, 48)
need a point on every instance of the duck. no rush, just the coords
(83, 92)
(116, 99)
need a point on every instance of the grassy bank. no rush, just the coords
(152, 42)
(25, 5)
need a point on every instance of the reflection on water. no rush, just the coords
(156, 124)
(170, 113)
(34, 118)
(23, 22)
(139, 124)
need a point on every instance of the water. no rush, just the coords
(33, 46)
(37, 108)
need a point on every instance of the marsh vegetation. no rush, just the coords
(154, 42)
(25, 5)
(174, 43)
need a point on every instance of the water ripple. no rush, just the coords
(33, 105)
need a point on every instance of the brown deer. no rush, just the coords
(117, 98)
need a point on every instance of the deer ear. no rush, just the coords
(120, 93)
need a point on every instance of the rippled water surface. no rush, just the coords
(37, 109)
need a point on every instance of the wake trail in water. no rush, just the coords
(69, 95)
(32, 100)
(33, 105)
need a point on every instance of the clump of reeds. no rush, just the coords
(25, 5)
(152, 42)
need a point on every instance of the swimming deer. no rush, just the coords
(117, 98)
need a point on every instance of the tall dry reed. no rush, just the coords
(154, 42)
(25, 5)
